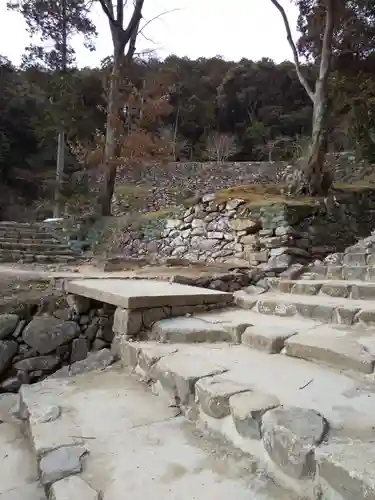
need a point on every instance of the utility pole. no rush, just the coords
(58, 207)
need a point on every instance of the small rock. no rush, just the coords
(8, 349)
(79, 304)
(44, 363)
(8, 323)
(61, 463)
(10, 384)
(41, 415)
(80, 350)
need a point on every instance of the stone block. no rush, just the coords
(177, 330)
(340, 352)
(348, 468)
(80, 350)
(46, 333)
(8, 323)
(306, 288)
(178, 374)
(78, 303)
(354, 273)
(127, 322)
(335, 290)
(355, 260)
(273, 307)
(334, 272)
(366, 292)
(267, 339)
(345, 315)
(290, 435)
(247, 409)
(128, 353)
(72, 488)
(366, 316)
(213, 394)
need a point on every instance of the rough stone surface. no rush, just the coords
(98, 360)
(46, 333)
(269, 339)
(247, 409)
(213, 393)
(43, 414)
(8, 323)
(348, 468)
(61, 463)
(8, 349)
(73, 488)
(44, 363)
(290, 436)
(78, 303)
(80, 350)
(341, 352)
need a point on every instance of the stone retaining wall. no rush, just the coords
(38, 341)
(272, 236)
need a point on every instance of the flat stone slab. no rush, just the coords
(341, 352)
(73, 487)
(350, 288)
(138, 294)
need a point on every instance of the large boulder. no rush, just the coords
(8, 349)
(8, 323)
(46, 333)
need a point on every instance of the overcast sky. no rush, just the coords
(197, 28)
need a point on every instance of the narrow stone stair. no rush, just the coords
(21, 242)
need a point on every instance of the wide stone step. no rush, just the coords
(283, 408)
(356, 290)
(45, 241)
(36, 247)
(334, 272)
(327, 309)
(103, 435)
(31, 234)
(17, 255)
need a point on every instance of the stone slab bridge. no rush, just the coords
(286, 376)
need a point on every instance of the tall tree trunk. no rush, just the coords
(111, 139)
(58, 207)
(317, 181)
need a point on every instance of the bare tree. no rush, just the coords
(124, 36)
(316, 180)
(178, 146)
(220, 147)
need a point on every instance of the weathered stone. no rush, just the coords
(334, 272)
(341, 352)
(348, 468)
(293, 272)
(72, 488)
(366, 316)
(44, 363)
(335, 290)
(363, 292)
(46, 333)
(354, 259)
(354, 273)
(279, 263)
(233, 204)
(178, 373)
(10, 384)
(127, 322)
(290, 436)
(61, 463)
(8, 349)
(268, 340)
(268, 306)
(80, 350)
(19, 329)
(99, 344)
(176, 330)
(255, 289)
(98, 360)
(249, 225)
(213, 393)
(8, 323)
(305, 288)
(247, 409)
(78, 303)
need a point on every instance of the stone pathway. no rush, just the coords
(104, 435)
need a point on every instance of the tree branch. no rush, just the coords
(134, 21)
(300, 75)
(120, 12)
(108, 10)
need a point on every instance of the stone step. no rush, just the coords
(285, 411)
(333, 272)
(17, 255)
(31, 234)
(134, 445)
(35, 247)
(350, 289)
(341, 347)
(45, 241)
(327, 309)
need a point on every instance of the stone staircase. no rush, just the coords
(286, 376)
(32, 242)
